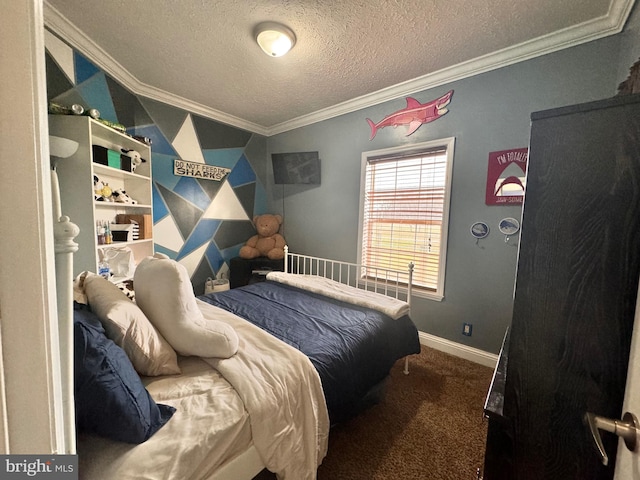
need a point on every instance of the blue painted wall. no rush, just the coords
(200, 223)
(488, 112)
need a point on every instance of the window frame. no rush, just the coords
(406, 150)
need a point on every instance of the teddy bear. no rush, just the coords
(268, 242)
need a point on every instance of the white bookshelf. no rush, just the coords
(77, 193)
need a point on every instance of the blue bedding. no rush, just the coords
(353, 348)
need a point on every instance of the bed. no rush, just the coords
(314, 346)
(351, 345)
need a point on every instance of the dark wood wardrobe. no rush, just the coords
(567, 349)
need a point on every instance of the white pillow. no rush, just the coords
(165, 294)
(127, 326)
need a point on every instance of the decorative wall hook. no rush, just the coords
(509, 226)
(479, 230)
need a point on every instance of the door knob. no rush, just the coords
(627, 428)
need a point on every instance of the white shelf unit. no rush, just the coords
(76, 187)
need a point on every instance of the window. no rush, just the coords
(404, 211)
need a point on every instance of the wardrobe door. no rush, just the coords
(576, 287)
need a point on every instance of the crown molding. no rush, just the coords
(70, 34)
(610, 24)
(601, 27)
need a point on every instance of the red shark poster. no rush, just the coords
(414, 115)
(506, 176)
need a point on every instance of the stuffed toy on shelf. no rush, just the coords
(101, 191)
(135, 158)
(120, 196)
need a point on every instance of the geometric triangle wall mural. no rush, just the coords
(201, 223)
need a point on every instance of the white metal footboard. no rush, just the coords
(392, 283)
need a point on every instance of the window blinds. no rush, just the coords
(403, 213)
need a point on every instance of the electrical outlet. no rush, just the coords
(467, 328)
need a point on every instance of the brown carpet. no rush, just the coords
(429, 426)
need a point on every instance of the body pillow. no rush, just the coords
(165, 294)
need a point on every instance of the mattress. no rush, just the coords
(210, 425)
(353, 347)
(267, 397)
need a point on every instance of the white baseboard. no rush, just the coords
(463, 351)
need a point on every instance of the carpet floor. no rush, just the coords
(429, 426)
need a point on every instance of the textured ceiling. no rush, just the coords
(201, 53)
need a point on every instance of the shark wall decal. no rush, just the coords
(414, 115)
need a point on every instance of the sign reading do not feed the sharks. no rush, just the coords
(184, 168)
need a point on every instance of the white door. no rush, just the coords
(627, 462)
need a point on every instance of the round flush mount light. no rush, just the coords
(274, 39)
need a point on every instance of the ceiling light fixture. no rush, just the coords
(274, 39)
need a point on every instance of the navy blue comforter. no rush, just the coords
(353, 348)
